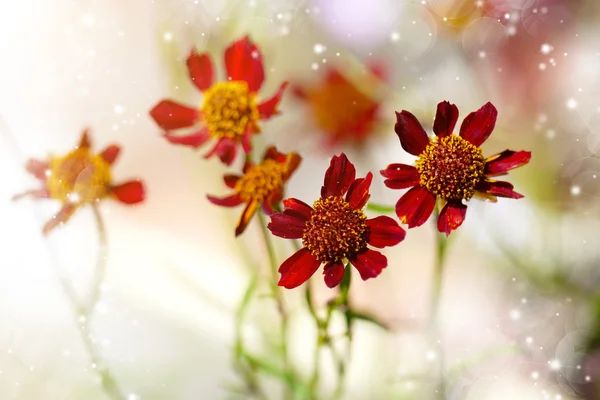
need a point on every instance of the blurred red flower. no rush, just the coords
(78, 178)
(334, 230)
(449, 167)
(229, 112)
(261, 184)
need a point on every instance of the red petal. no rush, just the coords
(269, 107)
(358, 194)
(505, 161)
(225, 149)
(243, 62)
(384, 232)
(478, 125)
(110, 153)
(338, 177)
(230, 201)
(35, 193)
(171, 115)
(333, 272)
(287, 225)
(298, 269)
(299, 208)
(445, 119)
(412, 135)
(245, 217)
(293, 161)
(415, 207)
(498, 188)
(131, 192)
(400, 176)
(231, 180)
(247, 141)
(452, 216)
(37, 168)
(369, 263)
(62, 217)
(200, 69)
(194, 140)
(85, 142)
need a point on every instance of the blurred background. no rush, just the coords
(520, 305)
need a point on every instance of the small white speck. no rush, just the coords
(168, 36)
(535, 375)
(119, 109)
(431, 355)
(395, 36)
(572, 104)
(315, 66)
(554, 365)
(575, 190)
(319, 48)
(546, 48)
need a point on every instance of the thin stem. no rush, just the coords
(436, 292)
(380, 208)
(100, 270)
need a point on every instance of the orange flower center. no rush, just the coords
(229, 108)
(261, 181)
(450, 167)
(335, 231)
(78, 177)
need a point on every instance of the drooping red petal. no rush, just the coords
(333, 274)
(358, 194)
(131, 192)
(243, 62)
(293, 161)
(171, 115)
(298, 269)
(268, 108)
(369, 263)
(400, 176)
(445, 119)
(62, 217)
(35, 193)
(231, 180)
(247, 141)
(498, 188)
(338, 177)
(415, 206)
(200, 68)
(37, 168)
(503, 162)
(413, 137)
(245, 217)
(451, 217)
(110, 154)
(230, 201)
(384, 232)
(287, 224)
(85, 142)
(299, 208)
(195, 139)
(225, 149)
(478, 125)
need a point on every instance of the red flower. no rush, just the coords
(345, 110)
(449, 167)
(334, 230)
(79, 178)
(229, 112)
(261, 184)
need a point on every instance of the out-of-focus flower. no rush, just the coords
(261, 184)
(78, 178)
(334, 230)
(449, 167)
(229, 112)
(342, 109)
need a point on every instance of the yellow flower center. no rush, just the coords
(78, 177)
(229, 108)
(450, 167)
(335, 231)
(260, 181)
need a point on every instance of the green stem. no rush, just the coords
(436, 292)
(344, 304)
(381, 208)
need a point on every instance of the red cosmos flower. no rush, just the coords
(345, 110)
(334, 230)
(79, 178)
(229, 112)
(449, 167)
(261, 184)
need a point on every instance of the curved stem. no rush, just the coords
(101, 262)
(381, 208)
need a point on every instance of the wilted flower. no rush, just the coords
(334, 230)
(261, 184)
(449, 167)
(229, 112)
(78, 178)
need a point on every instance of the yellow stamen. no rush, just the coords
(260, 181)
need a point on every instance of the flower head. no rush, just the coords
(261, 184)
(78, 178)
(229, 112)
(334, 230)
(345, 110)
(449, 167)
